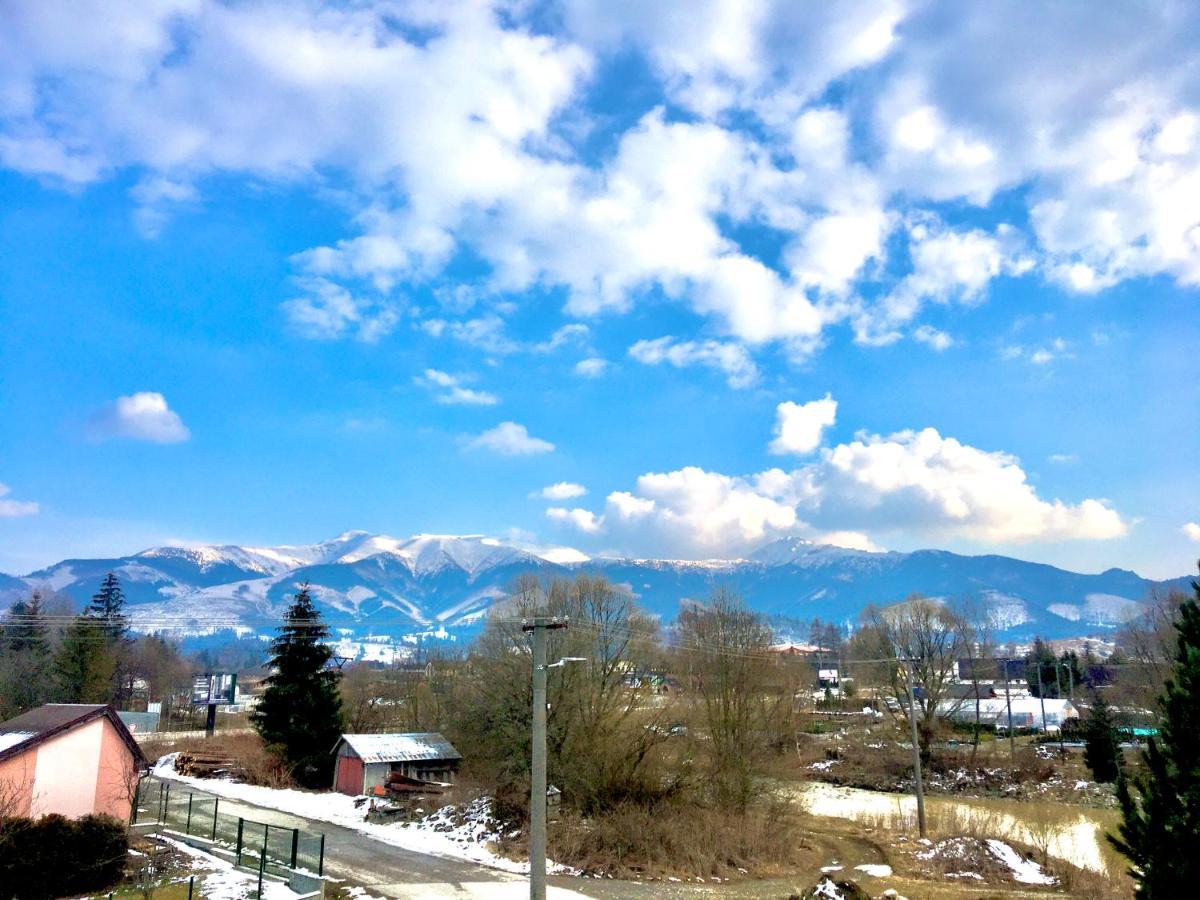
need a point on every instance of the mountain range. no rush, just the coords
(370, 584)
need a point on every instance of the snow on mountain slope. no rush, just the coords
(365, 581)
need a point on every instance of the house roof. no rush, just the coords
(39, 725)
(413, 747)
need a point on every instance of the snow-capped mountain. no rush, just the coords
(375, 583)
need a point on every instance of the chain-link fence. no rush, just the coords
(254, 845)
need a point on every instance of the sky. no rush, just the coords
(659, 279)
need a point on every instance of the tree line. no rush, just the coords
(50, 654)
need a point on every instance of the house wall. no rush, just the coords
(116, 775)
(67, 771)
(16, 784)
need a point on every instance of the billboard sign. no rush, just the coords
(214, 687)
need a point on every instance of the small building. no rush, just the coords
(369, 761)
(70, 758)
(1026, 712)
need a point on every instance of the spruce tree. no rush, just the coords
(1102, 749)
(1160, 808)
(85, 666)
(24, 657)
(108, 605)
(300, 713)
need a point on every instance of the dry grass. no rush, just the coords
(682, 840)
(258, 764)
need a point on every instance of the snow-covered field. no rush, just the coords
(465, 833)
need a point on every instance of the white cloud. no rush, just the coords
(579, 519)
(562, 490)
(798, 427)
(450, 389)
(731, 359)
(510, 439)
(851, 540)
(439, 158)
(592, 367)
(327, 311)
(12, 509)
(912, 485)
(938, 340)
(143, 416)
(1063, 459)
(571, 332)
(1192, 530)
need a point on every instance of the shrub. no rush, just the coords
(59, 857)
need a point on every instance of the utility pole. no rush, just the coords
(916, 749)
(538, 625)
(1012, 740)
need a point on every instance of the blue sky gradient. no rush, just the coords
(324, 253)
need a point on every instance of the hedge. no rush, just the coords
(58, 857)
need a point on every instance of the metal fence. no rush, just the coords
(254, 845)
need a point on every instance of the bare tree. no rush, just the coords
(727, 649)
(974, 616)
(927, 636)
(1146, 646)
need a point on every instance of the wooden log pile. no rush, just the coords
(206, 764)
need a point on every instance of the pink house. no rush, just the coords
(68, 758)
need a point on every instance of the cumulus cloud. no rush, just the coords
(562, 490)
(493, 160)
(450, 389)
(798, 427)
(1192, 530)
(144, 416)
(731, 359)
(12, 509)
(580, 519)
(510, 439)
(592, 367)
(916, 485)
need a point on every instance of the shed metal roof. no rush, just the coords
(413, 747)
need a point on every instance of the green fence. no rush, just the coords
(255, 845)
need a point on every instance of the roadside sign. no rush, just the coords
(214, 688)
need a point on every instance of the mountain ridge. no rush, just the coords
(372, 582)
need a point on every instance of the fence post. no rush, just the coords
(241, 826)
(262, 864)
(166, 804)
(187, 829)
(191, 886)
(216, 804)
(295, 844)
(321, 861)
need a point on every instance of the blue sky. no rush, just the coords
(889, 275)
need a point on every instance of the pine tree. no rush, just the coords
(300, 713)
(1160, 808)
(85, 666)
(24, 657)
(108, 605)
(1102, 750)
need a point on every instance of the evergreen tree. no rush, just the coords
(300, 713)
(24, 657)
(25, 630)
(85, 666)
(1160, 808)
(1102, 750)
(1039, 670)
(108, 605)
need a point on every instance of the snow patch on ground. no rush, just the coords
(223, 882)
(464, 833)
(875, 870)
(1024, 870)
